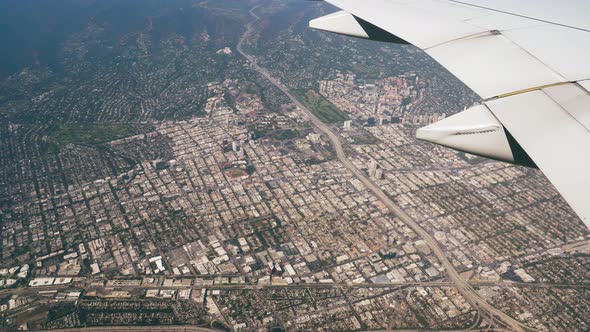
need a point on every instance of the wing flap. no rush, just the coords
(570, 13)
(492, 65)
(585, 84)
(566, 51)
(573, 99)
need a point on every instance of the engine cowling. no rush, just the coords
(344, 23)
(476, 131)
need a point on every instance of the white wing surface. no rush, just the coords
(529, 60)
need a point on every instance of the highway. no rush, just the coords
(163, 328)
(462, 285)
(28, 291)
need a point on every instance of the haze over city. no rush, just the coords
(217, 165)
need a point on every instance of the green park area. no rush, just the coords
(90, 134)
(320, 106)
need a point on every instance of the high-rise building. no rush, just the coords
(347, 124)
(314, 138)
(373, 167)
(379, 174)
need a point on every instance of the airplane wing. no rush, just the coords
(529, 60)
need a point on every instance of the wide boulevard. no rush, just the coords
(462, 285)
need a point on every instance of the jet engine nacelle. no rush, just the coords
(344, 23)
(476, 131)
